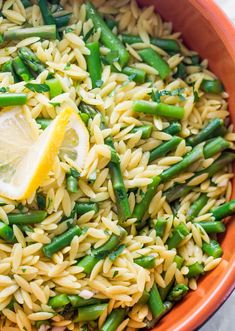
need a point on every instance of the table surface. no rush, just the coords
(224, 318)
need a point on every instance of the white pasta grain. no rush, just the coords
(211, 265)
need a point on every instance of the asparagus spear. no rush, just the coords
(155, 108)
(212, 248)
(155, 302)
(90, 313)
(160, 227)
(173, 128)
(138, 74)
(26, 228)
(8, 67)
(227, 209)
(119, 191)
(146, 130)
(84, 207)
(215, 146)
(54, 86)
(196, 207)
(77, 301)
(195, 154)
(167, 305)
(212, 227)
(212, 86)
(179, 261)
(61, 18)
(107, 37)
(110, 22)
(12, 99)
(94, 63)
(178, 235)
(167, 174)
(92, 112)
(142, 206)
(61, 241)
(181, 71)
(178, 292)
(144, 298)
(164, 148)
(31, 217)
(147, 262)
(113, 320)
(6, 232)
(153, 59)
(164, 291)
(166, 44)
(31, 60)
(89, 261)
(210, 130)
(118, 184)
(72, 184)
(179, 190)
(195, 270)
(59, 301)
(46, 13)
(21, 69)
(44, 32)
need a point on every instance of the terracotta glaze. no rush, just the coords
(207, 30)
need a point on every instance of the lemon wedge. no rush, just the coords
(75, 146)
(25, 158)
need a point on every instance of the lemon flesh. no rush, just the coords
(25, 158)
(76, 142)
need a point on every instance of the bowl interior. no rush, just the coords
(206, 30)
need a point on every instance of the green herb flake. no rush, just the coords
(39, 88)
(117, 252)
(23, 269)
(115, 273)
(177, 92)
